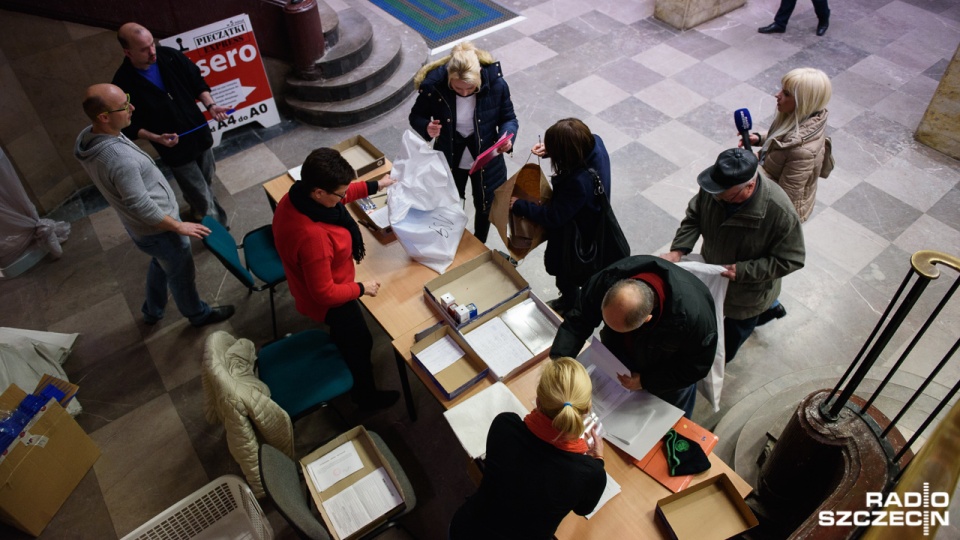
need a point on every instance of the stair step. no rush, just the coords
(374, 103)
(329, 23)
(353, 47)
(385, 57)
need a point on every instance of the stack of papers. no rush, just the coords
(369, 498)
(471, 420)
(335, 466)
(507, 342)
(440, 355)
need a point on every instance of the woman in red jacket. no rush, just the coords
(318, 242)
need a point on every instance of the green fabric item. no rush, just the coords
(683, 455)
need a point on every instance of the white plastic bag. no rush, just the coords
(712, 385)
(424, 208)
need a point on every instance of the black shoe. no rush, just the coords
(150, 321)
(509, 259)
(772, 29)
(217, 314)
(379, 399)
(822, 27)
(776, 312)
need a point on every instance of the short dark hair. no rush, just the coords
(568, 143)
(93, 106)
(326, 169)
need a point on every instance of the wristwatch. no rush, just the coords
(211, 105)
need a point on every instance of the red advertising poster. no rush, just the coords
(229, 60)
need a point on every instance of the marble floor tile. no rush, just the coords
(714, 121)
(613, 138)
(104, 327)
(645, 225)
(68, 288)
(594, 94)
(665, 60)
(110, 230)
(734, 63)
(670, 98)
(637, 167)
(830, 190)
(521, 54)
(167, 350)
(627, 12)
(842, 241)
(856, 154)
(903, 181)
(762, 105)
(945, 210)
(563, 10)
(674, 192)
(901, 108)
(929, 233)
(892, 136)
(908, 53)
(695, 146)
(562, 37)
(536, 21)
(705, 80)
(886, 272)
(629, 75)
(885, 72)
(842, 111)
(249, 169)
(877, 210)
(697, 44)
(634, 117)
(858, 89)
(123, 472)
(939, 37)
(873, 32)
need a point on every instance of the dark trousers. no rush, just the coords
(481, 221)
(735, 332)
(786, 9)
(350, 334)
(684, 398)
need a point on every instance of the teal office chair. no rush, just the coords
(304, 372)
(283, 485)
(262, 259)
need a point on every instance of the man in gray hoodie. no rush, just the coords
(133, 185)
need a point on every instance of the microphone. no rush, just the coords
(741, 117)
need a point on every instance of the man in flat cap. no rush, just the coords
(750, 227)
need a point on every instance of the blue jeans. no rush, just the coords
(735, 332)
(196, 183)
(685, 399)
(171, 266)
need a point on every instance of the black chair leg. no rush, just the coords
(273, 315)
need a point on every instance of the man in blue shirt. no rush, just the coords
(165, 85)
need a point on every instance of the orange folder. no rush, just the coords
(655, 462)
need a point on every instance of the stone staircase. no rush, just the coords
(367, 70)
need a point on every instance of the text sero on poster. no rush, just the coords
(229, 60)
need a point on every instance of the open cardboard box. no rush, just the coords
(486, 281)
(372, 460)
(363, 216)
(710, 510)
(499, 310)
(41, 469)
(360, 154)
(460, 375)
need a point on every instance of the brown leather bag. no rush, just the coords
(518, 234)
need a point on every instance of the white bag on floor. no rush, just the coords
(424, 208)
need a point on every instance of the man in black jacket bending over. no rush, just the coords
(164, 86)
(659, 320)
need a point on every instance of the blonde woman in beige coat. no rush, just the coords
(792, 152)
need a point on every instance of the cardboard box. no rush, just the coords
(372, 460)
(487, 280)
(711, 510)
(499, 310)
(363, 216)
(40, 469)
(362, 156)
(460, 375)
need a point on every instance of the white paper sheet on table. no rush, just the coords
(471, 420)
(369, 498)
(381, 216)
(612, 489)
(499, 348)
(531, 325)
(335, 466)
(440, 355)
(295, 173)
(626, 411)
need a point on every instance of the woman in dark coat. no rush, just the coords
(573, 152)
(464, 104)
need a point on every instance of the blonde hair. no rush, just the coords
(565, 381)
(811, 90)
(464, 63)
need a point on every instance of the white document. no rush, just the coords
(371, 497)
(471, 419)
(335, 466)
(440, 355)
(381, 216)
(498, 347)
(634, 422)
(531, 325)
(295, 173)
(612, 489)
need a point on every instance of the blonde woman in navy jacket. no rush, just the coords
(464, 104)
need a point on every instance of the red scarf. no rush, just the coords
(541, 425)
(656, 283)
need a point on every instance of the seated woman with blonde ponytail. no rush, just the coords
(538, 469)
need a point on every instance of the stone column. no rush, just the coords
(940, 127)
(686, 14)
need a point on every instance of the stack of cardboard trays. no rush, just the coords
(44, 464)
(710, 510)
(506, 329)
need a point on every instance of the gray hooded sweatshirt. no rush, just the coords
(129, 180)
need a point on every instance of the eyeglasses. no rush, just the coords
(729, 197)
(339, 196)
(125, 108)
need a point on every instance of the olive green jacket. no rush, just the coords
(763, 238)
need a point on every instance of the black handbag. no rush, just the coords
(583, 257)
